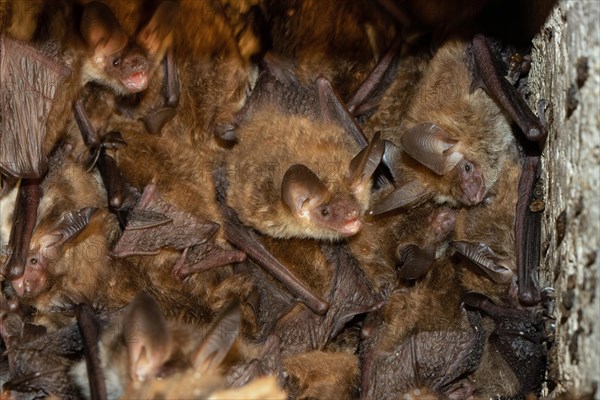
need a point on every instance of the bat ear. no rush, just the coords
(363, 165)
(431, 146)
(495, 267)
(335, 111)
(219, 340)
(413, 261)
(149, 340)
(300, 188)
(69, 226)
(157, 35)
(404, 196)
(101, 31)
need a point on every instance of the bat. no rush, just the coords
(318, 187)
(491, 248)
(146, 354)
(404, 350)
(518, 336)
(451, 152)
(450, 141)
(38, 360)
(402, 246)
(61, 265)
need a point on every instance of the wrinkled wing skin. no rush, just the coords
(185, 230)
(29, 81)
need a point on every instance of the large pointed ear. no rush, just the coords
(219, 340)
(364, 164)
(431, 146)
(157, 35)
(301, 189)
(69, 226)
(490, 263)
(149, 343)
(406, 195)
(101, 31)
(334, 111)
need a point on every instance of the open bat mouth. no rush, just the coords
(136, 82)
(351, 228)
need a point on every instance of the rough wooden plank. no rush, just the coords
(566, 72)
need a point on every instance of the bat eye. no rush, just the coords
(324, 211)
(468, 167)
(116, 62)
(33, 260)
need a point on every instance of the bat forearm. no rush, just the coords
(90, 334)
(88, 133)
(528, 234)
(24, 220)
(503, 92)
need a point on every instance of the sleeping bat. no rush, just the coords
(424, 339)
(39, 361)
(341, 41)
(402, 246)
(142, 354)
(313, 183)
(69, 245)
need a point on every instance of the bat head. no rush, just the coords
(46, 248)
(435, 149)
(115, 59)
(339, 213)
(160, 353)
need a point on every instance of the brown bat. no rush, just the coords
(452, 150)
(312, 183)
(143, 354)
(452, 141)
(425, 339)
(485, 236)
(69, 244)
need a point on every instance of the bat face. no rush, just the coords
(116, 60)
(311, 184)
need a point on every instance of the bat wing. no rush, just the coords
(244, 239)
(29, 80)
(185, 230)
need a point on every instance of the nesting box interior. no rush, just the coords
(300, 199)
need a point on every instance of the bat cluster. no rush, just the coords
(267, 199)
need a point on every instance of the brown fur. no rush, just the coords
(339, 40)
(443, 97)
(255, 176)
(73, 275)
(492, 224)
(322, 375)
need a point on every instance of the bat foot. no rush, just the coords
(529, 296)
